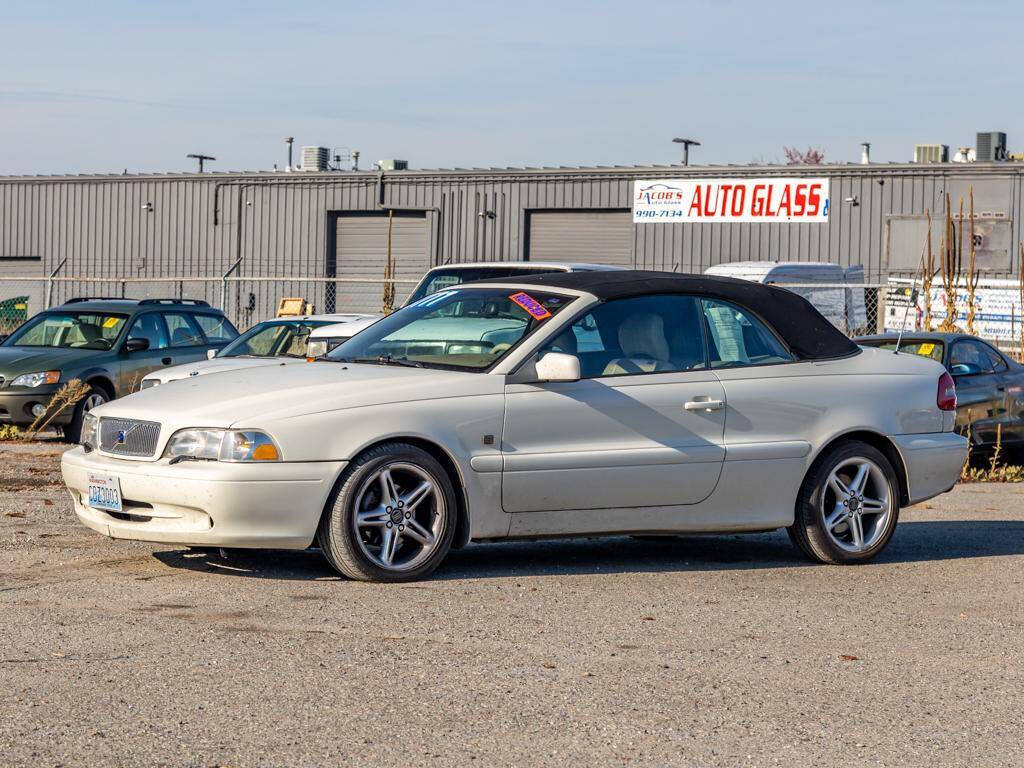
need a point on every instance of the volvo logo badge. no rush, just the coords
(120, 437)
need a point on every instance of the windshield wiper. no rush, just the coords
(382, 360)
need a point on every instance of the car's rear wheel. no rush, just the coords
(391, 517)
(73, 429)
(848, 506)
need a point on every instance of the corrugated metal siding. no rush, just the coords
(597, 237)
(284, 224)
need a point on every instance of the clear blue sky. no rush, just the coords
(106, 85)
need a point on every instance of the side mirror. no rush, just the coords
(211, 353)
(960, 370)
(558, 366)
(136, 345)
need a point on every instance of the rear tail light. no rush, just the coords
(946, 396)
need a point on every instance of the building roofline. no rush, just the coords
(625, 171)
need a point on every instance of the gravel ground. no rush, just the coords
(714, 651)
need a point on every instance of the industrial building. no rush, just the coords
(328, 231)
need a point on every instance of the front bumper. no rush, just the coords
(272, 505)
(933, 462)
(16, 405)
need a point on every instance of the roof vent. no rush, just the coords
(315, 158)
(991, 146)
(931, 153)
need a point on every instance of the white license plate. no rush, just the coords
(104, 492)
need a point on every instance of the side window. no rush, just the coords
(648, 334)
(216, 329)
(151, 328)
(969, 357)
(738, 338)
(184, 332)
(998, 364)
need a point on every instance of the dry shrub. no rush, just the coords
(64, 398)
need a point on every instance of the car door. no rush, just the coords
(1010, 387)
(135, 365)
(187, 341)
(980, 391)
(643, 427)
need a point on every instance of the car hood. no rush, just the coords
(217, 365)
(251, 396)
(15, 361)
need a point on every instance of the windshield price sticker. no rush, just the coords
(531, 305)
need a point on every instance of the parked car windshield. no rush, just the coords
(70, 330)
(932, 349)
(462, 329)
(440, 279)
(273, 339)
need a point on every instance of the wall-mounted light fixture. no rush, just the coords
(487, 214)
(147, 207)
(853, 201)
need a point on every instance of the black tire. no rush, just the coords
(808, 531)
(345, 547)
(73, 429)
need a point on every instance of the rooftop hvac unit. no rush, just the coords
(315, 158)
(393, 165)
(931, 153)
(991, 146)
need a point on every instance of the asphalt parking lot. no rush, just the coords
(716, 651)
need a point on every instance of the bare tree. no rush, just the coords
(812, 156)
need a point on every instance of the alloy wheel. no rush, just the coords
(399, 516)
(856, 504)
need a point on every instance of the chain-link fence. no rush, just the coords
(854, 308)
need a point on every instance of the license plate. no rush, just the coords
(104, 492)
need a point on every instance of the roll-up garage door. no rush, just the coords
(595, 237)
(361, 251)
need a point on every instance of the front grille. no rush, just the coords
(128, 437)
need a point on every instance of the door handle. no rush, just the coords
(166, 361)
(704, 405)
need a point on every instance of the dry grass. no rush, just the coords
(995, 472)
(64, 398)
(9, 432)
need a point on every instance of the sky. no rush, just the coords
(106, 86)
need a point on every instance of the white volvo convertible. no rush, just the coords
(568, 404)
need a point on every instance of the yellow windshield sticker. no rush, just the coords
(110, 322)
(925, 350)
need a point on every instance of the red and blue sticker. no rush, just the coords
(531, 305)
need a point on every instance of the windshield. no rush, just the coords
(463, 329)
(932, 349)
(272, 339)
(440, 279)
(69, 330)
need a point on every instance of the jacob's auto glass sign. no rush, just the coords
(770, 200)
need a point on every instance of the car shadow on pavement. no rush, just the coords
(915, 541)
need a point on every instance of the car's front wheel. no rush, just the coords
(391, 517)
(848, 505)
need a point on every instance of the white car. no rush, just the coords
(551, 405)
(280, 341)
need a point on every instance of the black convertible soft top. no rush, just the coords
(808, 334)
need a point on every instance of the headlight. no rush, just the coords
(89, 424)
(315, 349)
(36, 379)
(147, 383)
(222, 445)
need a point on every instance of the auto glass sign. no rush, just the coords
(768, 200)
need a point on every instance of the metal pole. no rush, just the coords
(224, 283)
(49, 282)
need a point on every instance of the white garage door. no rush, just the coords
(595, 237)
(361, 252)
